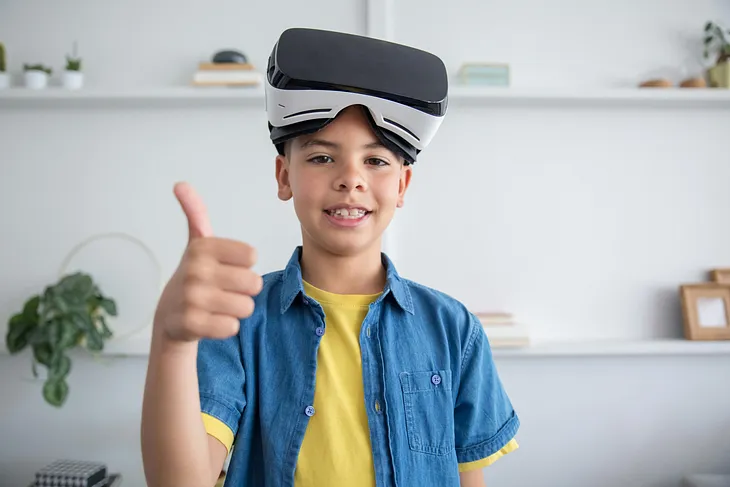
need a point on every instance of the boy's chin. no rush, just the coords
(347, 245)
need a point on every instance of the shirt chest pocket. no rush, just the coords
(429, 411)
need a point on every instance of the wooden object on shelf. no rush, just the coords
(697, 82)
(656, 83)
(706, 311)
(721, 276)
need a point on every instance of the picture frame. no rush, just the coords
(721, 276)
(706, 311)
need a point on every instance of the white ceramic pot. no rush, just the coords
(4, 80)
(72, 80)
(35, 79)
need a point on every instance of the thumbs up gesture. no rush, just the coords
(213, 286)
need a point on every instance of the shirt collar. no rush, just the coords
(293, 287)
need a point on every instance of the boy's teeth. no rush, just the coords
(345, 213)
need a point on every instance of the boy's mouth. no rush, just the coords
(347, 213)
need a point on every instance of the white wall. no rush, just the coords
(582, 220)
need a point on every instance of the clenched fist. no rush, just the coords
(213, 287)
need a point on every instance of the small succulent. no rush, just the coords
(37, 67)
(73, 62)
(3, 65)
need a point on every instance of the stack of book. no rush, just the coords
(503, 331)
(226, 74)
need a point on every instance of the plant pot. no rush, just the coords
(72, 80)
(35, 79)
(4, 80)
(720, 75)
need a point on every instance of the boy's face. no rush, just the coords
(345, 184)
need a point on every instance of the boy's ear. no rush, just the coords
(405, 180)
(282, 178)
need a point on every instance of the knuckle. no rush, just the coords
(192, 295)
(190, 320)
(200, 270)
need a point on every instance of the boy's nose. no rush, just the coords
(350, 178)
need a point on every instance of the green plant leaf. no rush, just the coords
(105, 331)
(39, 335)
(55, 329)
(708, 26)
(19, 333)
(109, 306)
(69, 333)
(55, 391)
(708, 39)
(94, 341)
(30, 309)
(78, 285)
(60, 367)
(43, 353)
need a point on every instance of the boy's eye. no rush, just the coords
(377, 161)
(321, 159)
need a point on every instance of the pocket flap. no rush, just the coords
(425, 381)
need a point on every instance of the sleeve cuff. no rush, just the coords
(217, 407)
(485, 462)
(486, 448)
(218, 430)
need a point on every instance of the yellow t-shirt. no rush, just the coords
(327, 456)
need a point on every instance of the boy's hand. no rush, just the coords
(212, 288)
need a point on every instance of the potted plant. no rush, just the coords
(717, 44)
(4, 76)
(69, 313)
(36, 76)
(73, 77)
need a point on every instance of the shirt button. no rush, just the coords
(319, 331)
(309, 411)
(377, 406)
(436, 379)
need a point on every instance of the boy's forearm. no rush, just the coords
(174, 440)
(475, 478)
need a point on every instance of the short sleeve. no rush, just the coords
(221, 381)
(485, 423)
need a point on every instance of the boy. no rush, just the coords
(335, 370)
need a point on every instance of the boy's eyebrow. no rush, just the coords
(335, 145)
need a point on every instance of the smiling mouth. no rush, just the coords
(348, 213)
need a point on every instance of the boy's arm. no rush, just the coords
(173, 436)
(485, 423)
(474, 478)
(202, 304)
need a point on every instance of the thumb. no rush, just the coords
(195, 211)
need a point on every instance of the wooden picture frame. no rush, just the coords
(706, 311)
(721, 276)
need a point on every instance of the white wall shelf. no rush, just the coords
(659, 97)
(599, 348)
(138, 98)
(459, 95)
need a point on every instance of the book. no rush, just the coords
(225, 66)
(227, 77)
(500, 336)
(495, 318)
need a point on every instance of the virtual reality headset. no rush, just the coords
(313, 74)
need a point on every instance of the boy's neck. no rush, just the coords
(363, 273)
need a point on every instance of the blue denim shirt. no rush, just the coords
(426, 363)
